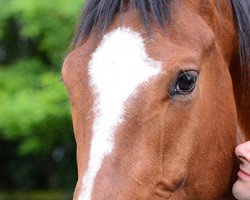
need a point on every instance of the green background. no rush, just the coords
(37, 147)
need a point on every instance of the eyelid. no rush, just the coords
(188, 67)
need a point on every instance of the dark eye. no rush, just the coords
(185, 83)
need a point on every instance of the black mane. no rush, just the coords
(97, 15)
(242, 15)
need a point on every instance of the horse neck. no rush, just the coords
(222, 20)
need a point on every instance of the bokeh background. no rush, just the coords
(37, 147)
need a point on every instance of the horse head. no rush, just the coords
(157, 92)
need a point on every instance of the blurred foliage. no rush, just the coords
(36, 137)
(33, 107)
(48, 23)
(37, 195)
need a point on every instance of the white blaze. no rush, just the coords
(118, 66)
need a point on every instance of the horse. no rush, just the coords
(159, 92)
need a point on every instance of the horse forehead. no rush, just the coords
(121, 50)
(118, 66)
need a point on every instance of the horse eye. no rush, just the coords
(185, 83)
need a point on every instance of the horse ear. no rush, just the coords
(241, 65)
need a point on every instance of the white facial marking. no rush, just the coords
(118, 66)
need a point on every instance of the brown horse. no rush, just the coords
(160, 93)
